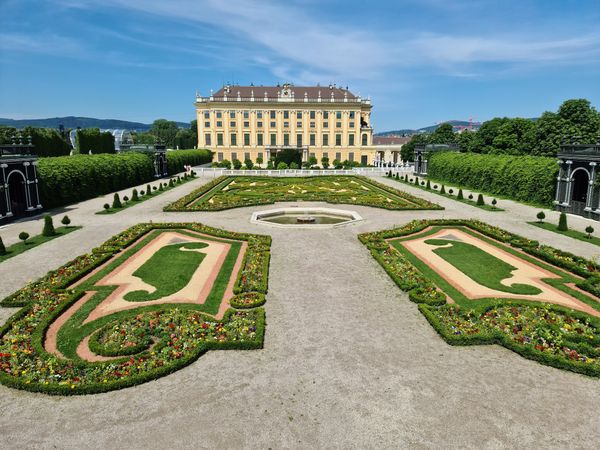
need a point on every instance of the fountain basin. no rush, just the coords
(299, 217)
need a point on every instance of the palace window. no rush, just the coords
(312, 155)
(312, 125)
(219, 123)
(351, 156)
(286, 139)
(350, 139)
(207, 139)
(351, 114)
(312, 139)
(259, 155)
(286, 114)
(272, 114)
(312, 115)
(246, 138)
(273, 139)
(299, 140)
(246, 115)
(232, 124)
(259, 124)
(246, 156)
(338, 156)
(325, 155)
(273, 124)
(206, 124)
(286, 124)
(298, 124)
(233, 138)
(207, 114)
(259, 139)
(233, 156)
(325, 140)
(338, 124)
(364, 139)
(325, 124)
(299, 115)
(338, 115)
(246, 124)
(232, 114)
(325, 115)
(259, 114)
(219, 138)
(351, 124)
(219, 114)
(220, 156)
(338, 139)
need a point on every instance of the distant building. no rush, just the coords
(246, 122)
(387, 148)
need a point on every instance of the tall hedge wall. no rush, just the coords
(176, 159)
(95, 140)
(70, 179)
(525, 178)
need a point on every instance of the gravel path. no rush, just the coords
(348, 362)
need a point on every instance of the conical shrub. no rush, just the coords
(562, 222)
(48, 226)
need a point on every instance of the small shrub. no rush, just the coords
(23, 235)
(562, 222)
(282, 166)
(459, 196)
(417, 181)
(134, 196)
(116, 202)
(589, 230)
(422, 183)
(160, 187)
(480, 201)
(237, 164)
(443, 189)
(294, 165)
(66, 221)
(428, 185)
(435, 186)
(450, 191)
(148, 189)
(106, 206)
(154, 188)
(541, 216)
(397, 176)
(470, 196)
(142, 193)
(494, 202)
(48, 226)
(125, 199)
(2, 247)
(171, 182)
(249, 164)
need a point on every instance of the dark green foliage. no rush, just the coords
(459, 196)
(48, 226)
(160, 187)
(116, 202)
(66, 221)
(450, 191)
(480, 201)
(249, 164)
(148, 190)
(397, 176)
(23, 235)
(589, 230)
(417, 181)
(47, 141)
(95, 140)
(71, 179)
(106, 206)
(443, 189)
(134, 195)
(171, 182)
(562, 222)
(2, 247)
(524, 178)
(237, 164)
(428, 185)
(179, 158)
(470, 196)
(541, 216)
(494, 202)
(282, 166)
(294, 165)
(125, 198)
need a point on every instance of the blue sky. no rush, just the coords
(421, 61)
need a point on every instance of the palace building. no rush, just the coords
(247, 122)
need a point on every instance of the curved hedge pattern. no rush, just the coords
(524, 178)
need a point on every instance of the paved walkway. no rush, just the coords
(348, 362)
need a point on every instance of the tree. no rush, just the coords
(282, 166)
(427, 186)
(459, 196)
(48, 229)
(562, 222)
(2, 247)
(144, 138)
(325, 162)
(226, 164)
(259, 160)
(116, 202)
(249, 164)
(494, 202)
(515, 137)
(407, 152)
(185, 139)
(444, 134)
(237, 164)
(66, 221)
(294, 165)
(443, 189)
(23, 235)
(106, 206)
(541, 216)
(312, 160)
(589, 230)
(165, 131)
(134, 195)
(337, 164)
(480, 201)
(466, 141)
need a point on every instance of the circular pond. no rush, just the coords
(305, 217)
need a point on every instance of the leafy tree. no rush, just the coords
(144, 138)
(407, 152)
(185, 139)
(466, 141)
(494, 202)
(248, 163)
(589, 230)
(226, 164)
(541, 216)
(515, 137)
(48, 229)
(325, 162)
(443, 134)
(562, 222)
(237, 164)
(259, 160)
(312, 160)
(165, 131)
(337, 164)
(294, 165)
(282, 166)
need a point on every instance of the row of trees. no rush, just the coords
(168, 133)
(518, 136)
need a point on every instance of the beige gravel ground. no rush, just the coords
(348, 362)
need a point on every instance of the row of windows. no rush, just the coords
(259, 124)
(234, 155)
(273, 114)
(312, 139)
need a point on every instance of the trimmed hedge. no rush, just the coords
(94, 140)
(176, 159)
(71, 179)
(525, 178)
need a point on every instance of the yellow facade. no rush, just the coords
(247, 122)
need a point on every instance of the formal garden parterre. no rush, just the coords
(239, 191)
(144, 304)
(478, 284)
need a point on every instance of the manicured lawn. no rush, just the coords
(571, 233)
(34, 241)
(143, 198)
(465, 200)
(233, 192)
(480, 266)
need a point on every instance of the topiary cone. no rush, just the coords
(48, 226)
(116, 202)
(2, 247)
(562, 222)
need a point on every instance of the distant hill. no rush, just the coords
(457, 124)
(83, 122)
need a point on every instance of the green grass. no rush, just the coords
(240, 191)
(20, 247)
(169, 270)
(465, 200)
(142, 198)
(480, 266)
(571, 233)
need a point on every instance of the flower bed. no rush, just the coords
(233, 192)
(550, 334)
(147, 343)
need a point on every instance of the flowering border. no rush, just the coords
(562, 338)
(185, 332)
